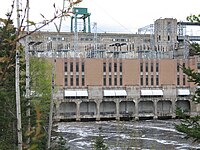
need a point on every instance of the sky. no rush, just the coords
(122, 16)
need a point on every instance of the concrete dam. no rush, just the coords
(133, 102)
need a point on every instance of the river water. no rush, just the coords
(126, 135)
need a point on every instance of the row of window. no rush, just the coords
(178, 69)
(56, 38)
(178, 80)
(112, 81)
(79, 81)
(147, 67)
(116, 66)
(57, 46)
(179, 66)
(77, 67)
(147, 80)
(120, 40)
(159, 38)
(97, 46)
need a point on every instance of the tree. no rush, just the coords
(60, 144)
(99, 142)
(7, 84)
(10, 37)
(191, 126)
(40, 74)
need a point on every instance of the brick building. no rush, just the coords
(111, 75)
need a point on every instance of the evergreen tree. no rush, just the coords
(7, 85)
(60, 144)
(99, 142)
(191, 126)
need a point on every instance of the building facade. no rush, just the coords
(96, 88)
(113, 76)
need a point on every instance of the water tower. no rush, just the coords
(80, 13)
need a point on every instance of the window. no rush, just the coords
(120, 80)
(177, 68)
(152, 80)
(77, 80)
(183, 65)
(141, 67)
(77, 67)
(71, 80)
(104, 67)
(115, 67)
(83, 80)
(141, 79)
(49, 45)
(66, 80)
(115, 80)
(110, 80)
(157, 80)
(198, 65)
(65, 66)
(83, 67)
(147, 67)
(178, 80)
(147, 81)
(184, 79)
(151, 67)
(110, 67)
(120, 67)
(104, 80)
(71, 66)
(157, 67)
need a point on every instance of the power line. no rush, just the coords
(126, 29)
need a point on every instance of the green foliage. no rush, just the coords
(7, 47)
(60, 144)
(7, 85)
(37, 134)
(40, 74)
(194, 18)
(40, 84)
(190, 126)
(99, 142)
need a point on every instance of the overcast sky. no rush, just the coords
(115, 15)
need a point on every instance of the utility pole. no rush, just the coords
(27, 73)
(17, 88)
